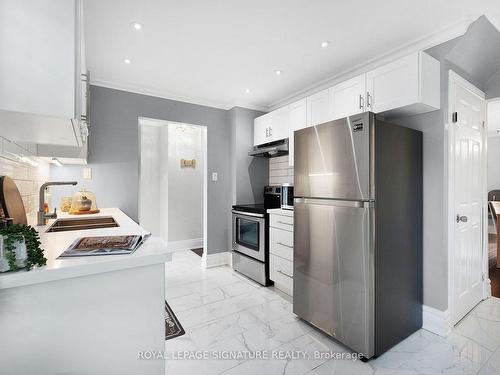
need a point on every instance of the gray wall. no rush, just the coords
(249, 174)
(114, 153)
(434, 227)
(457, 55)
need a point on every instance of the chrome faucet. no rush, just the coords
(42, 216)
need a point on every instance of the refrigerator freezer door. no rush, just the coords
(332, 160)
(333, 270)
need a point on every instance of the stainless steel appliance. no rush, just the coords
(358, 231)
(271, 150)
(250, 236)
(287, 196)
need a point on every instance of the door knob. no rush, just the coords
(461, 219)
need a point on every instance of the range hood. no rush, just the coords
(271, 150)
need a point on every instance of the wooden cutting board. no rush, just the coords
(11, 201)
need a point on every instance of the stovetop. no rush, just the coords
(253, 208)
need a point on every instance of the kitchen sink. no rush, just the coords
(64, 225)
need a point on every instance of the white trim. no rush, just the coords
(493, 21)
(194, 243)
(488, 101)
(216, 260)
(436, 321)
(199, 242)
(450, 191)
(447, 33)
(170, 96)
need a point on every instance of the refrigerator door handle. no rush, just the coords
(336, 202)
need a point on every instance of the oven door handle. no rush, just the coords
(247, 214)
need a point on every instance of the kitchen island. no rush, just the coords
(85, 315)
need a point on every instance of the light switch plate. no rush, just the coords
(215, 176)
(87, 173)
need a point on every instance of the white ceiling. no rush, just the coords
(210, 51)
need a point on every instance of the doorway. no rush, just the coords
(493, 186)
(467, 202)
(173, 183)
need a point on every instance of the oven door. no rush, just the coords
(249, 234)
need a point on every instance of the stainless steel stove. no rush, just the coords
(251, 237)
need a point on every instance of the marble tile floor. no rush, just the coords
(225, 313)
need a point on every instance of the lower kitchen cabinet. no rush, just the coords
(281, 249)
(281, 272)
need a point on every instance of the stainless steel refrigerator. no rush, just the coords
(358, 231)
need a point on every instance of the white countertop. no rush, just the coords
(152, 251)
(280, 211)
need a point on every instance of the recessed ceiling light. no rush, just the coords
(278, 72)
(136, 25)
(127, 61)
(325, 44)
(248, 91)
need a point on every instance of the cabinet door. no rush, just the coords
(348, 97)
(260, 130)
(279, 124)
(38, 59)
(298, 120)
(318, 108)
(393, 85)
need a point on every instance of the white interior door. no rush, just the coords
(467, 109)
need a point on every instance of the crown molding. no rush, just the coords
(167, 95)
(157, 93)
(445, 34)
(493, 21)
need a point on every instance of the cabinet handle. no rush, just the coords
(270, 131)
(284, 244)
(285, 274)
(267, 132)
(361, 102)
(282, 222)
(368, 100)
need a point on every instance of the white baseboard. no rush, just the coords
(218, 259)
(194, 243)
(436, 321)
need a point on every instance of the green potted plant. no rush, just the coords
(20, 248)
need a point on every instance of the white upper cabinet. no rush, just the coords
(272, 126)
(40, 71)
(318, 108)
(348, 97)
(261, 129)
(298, 115)
(280, 124)
(38, 46)
(407, 86)
(297, 120)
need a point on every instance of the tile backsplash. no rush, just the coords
(28, 180)
(279, 171)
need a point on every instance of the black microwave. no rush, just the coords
(287, 197)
